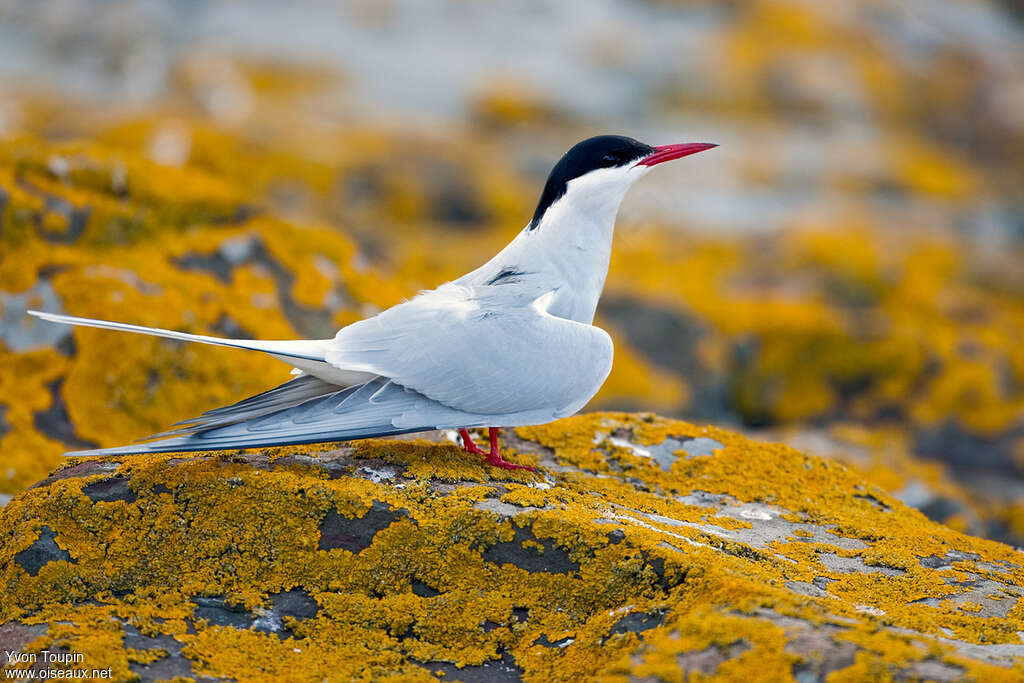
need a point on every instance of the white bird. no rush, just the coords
(511, 343)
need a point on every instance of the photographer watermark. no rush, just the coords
(50, 665)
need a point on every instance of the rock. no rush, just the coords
(734, 559)
(43, 551)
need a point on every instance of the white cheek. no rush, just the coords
(605, 180)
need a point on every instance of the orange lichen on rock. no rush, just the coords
(644, 547)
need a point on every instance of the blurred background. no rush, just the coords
(843, 273)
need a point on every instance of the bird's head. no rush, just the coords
(595, 174)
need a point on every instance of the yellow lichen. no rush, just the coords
(219, 525)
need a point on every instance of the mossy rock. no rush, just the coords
(644, 549)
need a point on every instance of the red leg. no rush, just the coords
(494, 457)
(468, 445)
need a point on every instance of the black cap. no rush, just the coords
(603, 151)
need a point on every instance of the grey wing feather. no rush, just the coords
(375, 408)
(292, 393)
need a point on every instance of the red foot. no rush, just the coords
(494, 457)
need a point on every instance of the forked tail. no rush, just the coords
(305, 349)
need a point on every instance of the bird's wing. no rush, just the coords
(376, 408)
(490, 350)
(292, 393)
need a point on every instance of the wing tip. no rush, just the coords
(93, 453)
(131, 449)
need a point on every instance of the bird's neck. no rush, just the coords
(570, 246)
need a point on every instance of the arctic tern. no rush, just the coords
(511, 343)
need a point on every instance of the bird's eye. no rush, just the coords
(610, 159)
